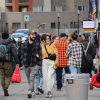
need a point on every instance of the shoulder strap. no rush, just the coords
(46, 49)
(87, 47)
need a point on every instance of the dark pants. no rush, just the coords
(14, 65)
(59, 75)
(19, 57)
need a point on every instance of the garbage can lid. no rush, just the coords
(77, 76)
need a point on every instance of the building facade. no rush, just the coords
(43, 14)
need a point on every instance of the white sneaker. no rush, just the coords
(50, 95)
(33, 94)
(29, 95)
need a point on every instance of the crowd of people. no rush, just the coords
(42, 56)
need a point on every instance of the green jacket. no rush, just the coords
(91, 52)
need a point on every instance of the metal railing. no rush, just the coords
(23, 1)
(8, 1)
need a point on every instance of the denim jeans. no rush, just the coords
(39, 78)
(75, 70)
(59, 75)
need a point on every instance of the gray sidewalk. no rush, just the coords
(18, 91)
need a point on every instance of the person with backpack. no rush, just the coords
(7, 52)
(91, 52)
(74, 53)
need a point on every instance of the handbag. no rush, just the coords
(16, 77)
(50, 56)
(95, 80)
(85, 65)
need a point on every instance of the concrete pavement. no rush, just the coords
(18, 91)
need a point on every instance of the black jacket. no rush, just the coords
(10, 50)
(19, 46)
(91, 52)
(35, 50)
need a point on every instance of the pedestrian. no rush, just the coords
(62, 60)
(31, 58)
(14, 62)
(19, 51)
(49, 64)
(6, 64)
(91, 52)
(74, 53)
(55, 39)
(39, 76)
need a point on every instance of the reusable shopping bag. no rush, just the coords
(16, 77)
(95, 80)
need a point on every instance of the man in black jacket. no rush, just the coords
(6, 66)
(31, 58)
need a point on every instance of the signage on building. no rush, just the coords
(26, 18)
(88, 24)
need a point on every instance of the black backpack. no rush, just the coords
(85, 65)
(3, 53)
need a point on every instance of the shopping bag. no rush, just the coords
(94, 81)
(16, 77)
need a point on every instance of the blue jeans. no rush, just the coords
(39, 78)
(59, 75)
(75, 70)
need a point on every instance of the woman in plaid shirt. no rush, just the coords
(74, 53)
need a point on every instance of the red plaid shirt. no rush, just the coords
(61, 47)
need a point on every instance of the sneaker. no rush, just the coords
(47, 95)
(6, 91)
(50, 95)
(58, 89)
(29, 94)
(33, 94)
(40, 90)
(37, 93)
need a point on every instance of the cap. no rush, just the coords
(63, 34)
(31, 32)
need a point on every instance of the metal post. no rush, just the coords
(58, 25)
(78, 23)
(3, 24)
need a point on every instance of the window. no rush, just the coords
(38, 9)
(53, 25)
(6, 25)
(57, 8)
(71, 24)
(16, 25)
(81, 8)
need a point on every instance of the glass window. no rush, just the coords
(84, 8)
(57, 8)
(81, 8)
(53, 25)
(35, 9)
(38, 9)
(16, 25)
